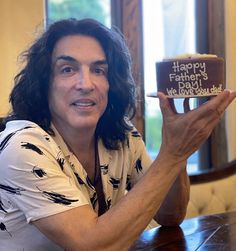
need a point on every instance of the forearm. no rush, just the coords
(173, 209)
(133, 213)
(117, 229)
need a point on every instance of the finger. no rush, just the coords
(232, 95)
(186, 105)
(213, 113)
(165, 105)
(225, 98)
(220, 110)
(216, 106)
(227, 95)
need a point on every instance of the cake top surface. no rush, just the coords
(190, 56)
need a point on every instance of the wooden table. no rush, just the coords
(214, 232)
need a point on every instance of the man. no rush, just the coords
(69, 152)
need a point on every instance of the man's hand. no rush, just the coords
(182, 134)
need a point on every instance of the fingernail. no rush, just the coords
(230, 91)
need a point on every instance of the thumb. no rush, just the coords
(166, 105)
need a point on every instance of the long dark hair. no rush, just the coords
(29, 97)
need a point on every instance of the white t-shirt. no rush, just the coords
(40, 177)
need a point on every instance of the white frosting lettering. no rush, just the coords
(189, 77)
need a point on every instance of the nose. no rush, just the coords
(84, 81)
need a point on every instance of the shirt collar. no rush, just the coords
(60, 142)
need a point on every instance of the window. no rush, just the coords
(97, 9)
(168, 30)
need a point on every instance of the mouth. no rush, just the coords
(83, 103)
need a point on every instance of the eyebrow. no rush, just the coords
(65, 58)
(73, 60)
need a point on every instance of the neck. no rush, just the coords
(80, 145)
(83, 145)
(78, 141)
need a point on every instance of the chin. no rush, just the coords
(83, 124)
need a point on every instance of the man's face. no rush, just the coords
(78, 92)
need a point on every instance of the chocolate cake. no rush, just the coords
(191, 76)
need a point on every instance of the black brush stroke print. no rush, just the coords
(39, 172)
(81, 182)
(128, 183)
(3, 228)
(89, 182)
(6, 140)
(115, 182)
(24, 128)
(58, 198)
(108, 203)
(135, 134)
(2, 207)
(138, 166)
(128, 144)
(104, 169)
(32, 147)
(94, 200)
(47, 138)
(61, 163)
(11, 190)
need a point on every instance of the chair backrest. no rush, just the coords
(213, 191)
(213, 174)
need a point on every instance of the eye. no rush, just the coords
(100, 71)
(67, 69)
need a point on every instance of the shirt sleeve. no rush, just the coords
(33, 179)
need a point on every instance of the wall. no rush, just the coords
(18, 19)
(230, 35)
